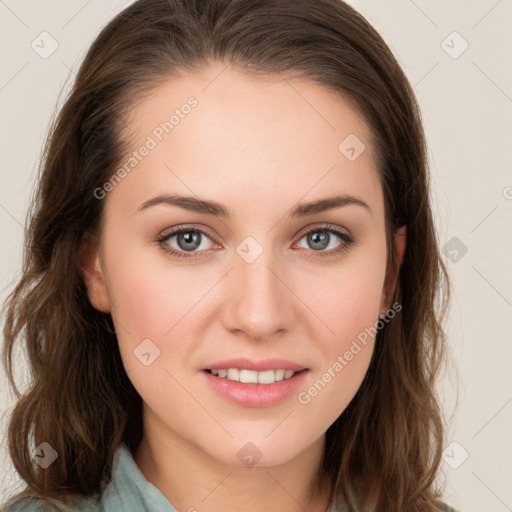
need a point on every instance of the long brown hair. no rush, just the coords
(383, 452)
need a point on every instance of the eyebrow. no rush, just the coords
(195, 204)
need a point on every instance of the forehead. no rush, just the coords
(252, 135)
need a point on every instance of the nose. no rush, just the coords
(260, 301)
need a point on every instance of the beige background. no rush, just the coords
(466, 99)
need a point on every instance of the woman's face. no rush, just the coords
(250, 284)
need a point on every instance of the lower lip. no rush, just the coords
(255, 395)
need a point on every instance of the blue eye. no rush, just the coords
(320, 239)
(190, 241)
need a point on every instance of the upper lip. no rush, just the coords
(259, 365)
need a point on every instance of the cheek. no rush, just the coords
(348, 302)
(148, 297)
(153, 301)
(150, 306)
(141, 299)
(348, 298)
(143, 308)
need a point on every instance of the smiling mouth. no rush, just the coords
(254, 377)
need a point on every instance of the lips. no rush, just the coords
(255, 395)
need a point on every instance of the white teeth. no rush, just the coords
(253, 377)
(268, 377)
(233, 374)
(248, 377)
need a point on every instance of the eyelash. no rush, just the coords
(347, 241)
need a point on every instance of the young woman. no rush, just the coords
(232, 290)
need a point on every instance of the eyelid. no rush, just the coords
(323, 226)
(186, 227)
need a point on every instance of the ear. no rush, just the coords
(93, 275)
(392, 275)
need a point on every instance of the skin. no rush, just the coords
(258, 146)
